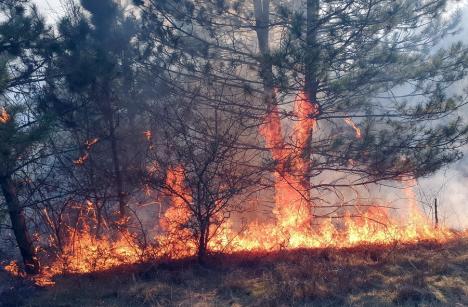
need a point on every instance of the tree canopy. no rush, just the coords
(233, 99)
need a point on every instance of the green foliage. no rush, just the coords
(24, 45)
(377, 62)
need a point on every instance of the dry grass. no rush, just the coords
(426, 274)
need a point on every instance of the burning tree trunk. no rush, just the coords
(19, 226)
(291, 179)
(310, 90)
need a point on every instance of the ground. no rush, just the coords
(425, 274)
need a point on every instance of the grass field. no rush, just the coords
(426, 274)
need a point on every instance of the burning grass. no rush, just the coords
(191, 226)
(84, 252)
(427, 274)
(195, 224)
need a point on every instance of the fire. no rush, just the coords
(90, 143)
(88, 146)
(14, 269)
(81, 160)
(294, 224)
(349, 121)
(85, 252)
(4, 116)
(176, 239)
(373, 225)
(293, 216)
(292, 211)
(91, 253)
(148, 135)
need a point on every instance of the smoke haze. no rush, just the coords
(449, 185)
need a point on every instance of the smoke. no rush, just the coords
(450, 185)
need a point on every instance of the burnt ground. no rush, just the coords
(426, 274)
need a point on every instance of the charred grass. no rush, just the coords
(426, 274)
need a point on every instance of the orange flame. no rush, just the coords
(293, 218)
(4, 116)
(90, 143)
(292, 227)
(148, 135)
(291, 189)
(349, 121)
(88, 146)
(81, 160)
(14, 269)
(176, 237)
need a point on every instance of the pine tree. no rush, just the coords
(96, 96)
(24, 41)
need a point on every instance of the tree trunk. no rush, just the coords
(312, 51)
(109, 115)
(19, 226)
(202, 245)
(311, 83)
(117, 171)
(262, 28)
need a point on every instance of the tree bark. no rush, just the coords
(109, 115)
(311, 83)
(202, 244)
(262, 24)
(18, 222)
(312, 51)
(117, 171)
(262, 13)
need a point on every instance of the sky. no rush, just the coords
(449, 185)
(51, 9)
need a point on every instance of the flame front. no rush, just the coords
(293, 225)
(175, 241)
(293, 209)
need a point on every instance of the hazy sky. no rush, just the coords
(450, 185)
(52, 9)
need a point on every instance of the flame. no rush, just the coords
(4, 116)
(88, 146)
(293, 218)
(93, 253)
(176, 238)
(349, 121)
(90, 143)
(14, 269)
(294, 225)
(292, 208)
(81, 160)
(85, 251)
(148, 135)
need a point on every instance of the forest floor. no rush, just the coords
(425, 274)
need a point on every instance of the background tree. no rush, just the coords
(368, 66)
(99, 101)
(324, 95)
(24, 41)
